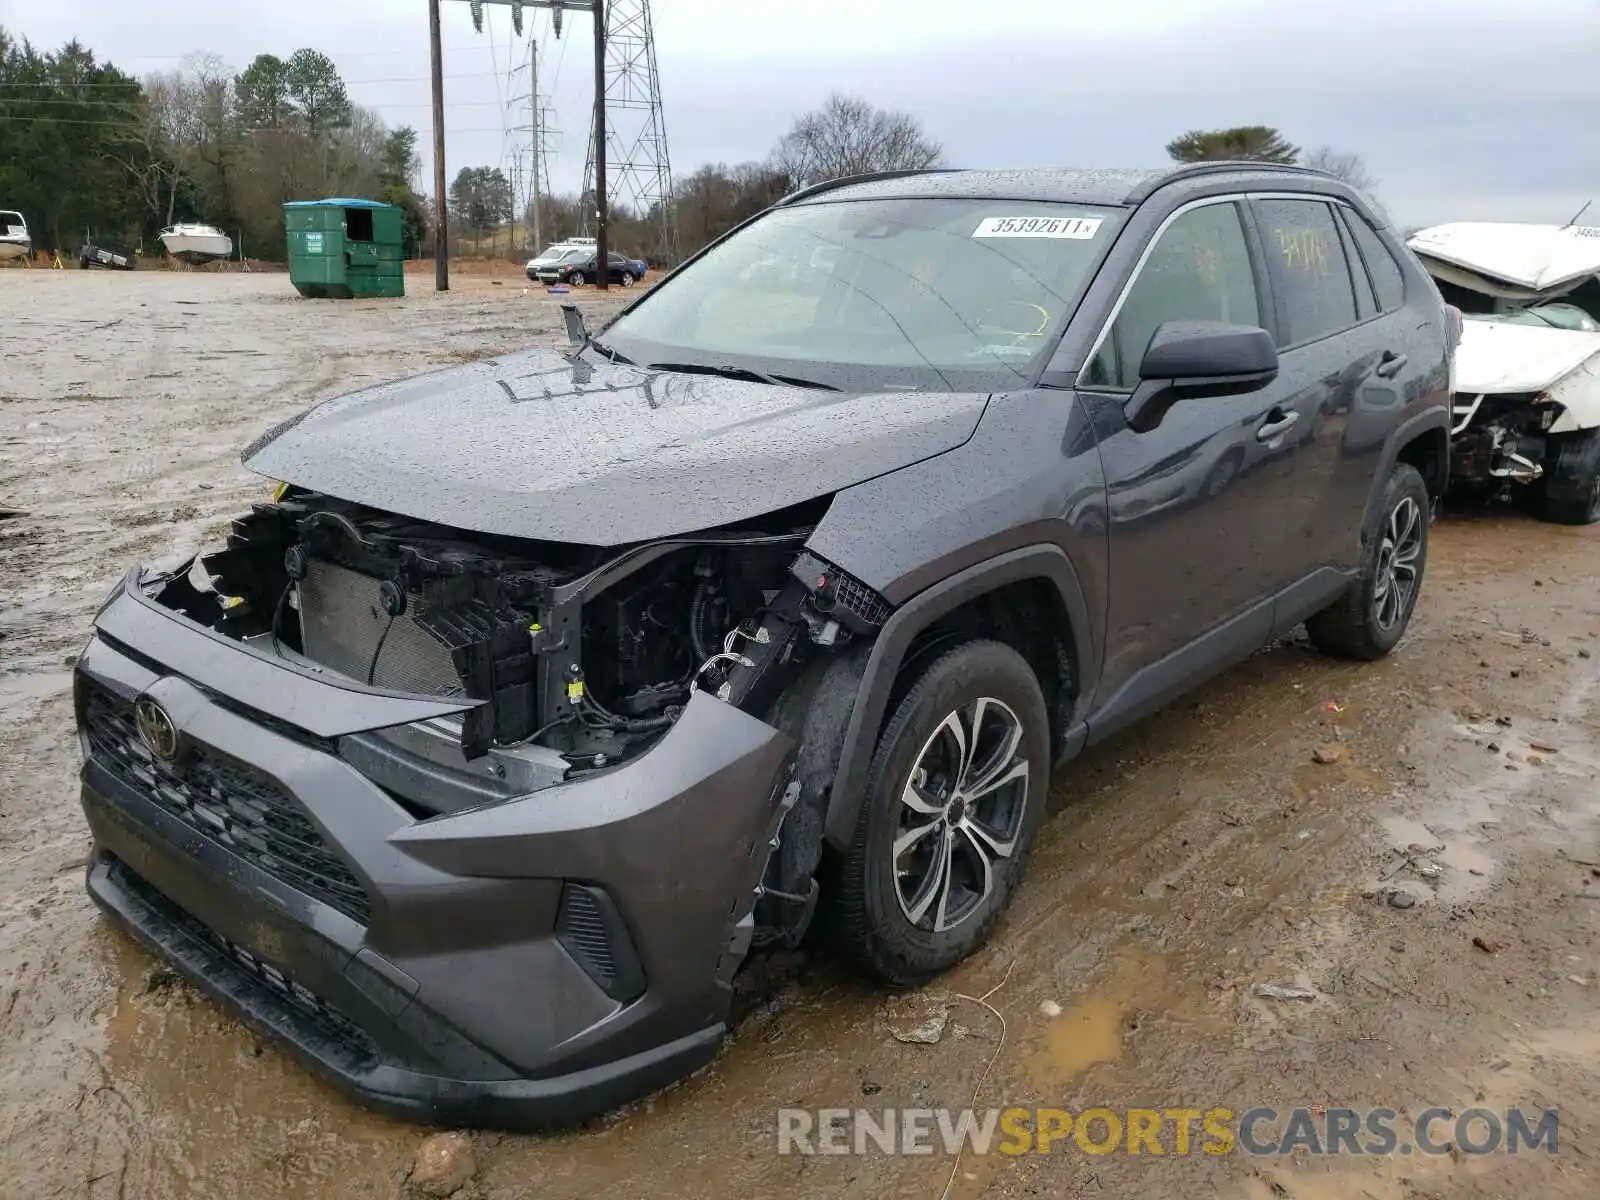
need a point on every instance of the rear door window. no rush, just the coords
(1198, 270)
(1310, 277)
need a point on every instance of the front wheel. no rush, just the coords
(955, 793)
(1569, 494)
(626, 280)
(576, 279)
(1369, 618)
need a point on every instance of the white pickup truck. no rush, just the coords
(1527, 384)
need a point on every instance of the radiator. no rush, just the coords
(342, 624)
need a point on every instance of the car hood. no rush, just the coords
(1500, 357)
(535, 445)
(1503, 258)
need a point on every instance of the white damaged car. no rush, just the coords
(1527, 383)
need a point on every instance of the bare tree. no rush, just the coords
(153, 127)
(357, 153)
(1342, 164)
(848, 136)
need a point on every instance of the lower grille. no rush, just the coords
(231, 803)
(344, 627)
(583, 930)
(592, 930)
(356, 1047)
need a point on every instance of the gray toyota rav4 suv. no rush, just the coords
(545, 689)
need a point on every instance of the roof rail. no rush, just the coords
(828, 185)
(1217, 166)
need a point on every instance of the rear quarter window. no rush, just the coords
(1310, 276)
(1388, 281)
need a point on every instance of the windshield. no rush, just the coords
(941, 294)
(1554, 316)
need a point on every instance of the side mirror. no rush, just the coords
(1198, 358)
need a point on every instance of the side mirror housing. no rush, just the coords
(1198, 358)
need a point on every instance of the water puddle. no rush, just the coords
(1143, 990)
(1310, 778)
(1490, 782)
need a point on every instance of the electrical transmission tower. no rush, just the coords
(638, 167)
(531, 168)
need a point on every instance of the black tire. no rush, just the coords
(1569, 494)
(626, 280)
(869, 917)
(1355, 625)
(575, 279)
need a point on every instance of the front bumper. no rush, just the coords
(525, 964)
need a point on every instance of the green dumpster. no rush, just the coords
(344, 248)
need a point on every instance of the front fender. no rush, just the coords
(900, 630)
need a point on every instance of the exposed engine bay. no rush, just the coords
(1500, 438)
(588, 652)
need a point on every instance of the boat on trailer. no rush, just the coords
(15, 241)
(194, 243)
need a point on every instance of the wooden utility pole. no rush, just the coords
(441, 213)
(602, 248)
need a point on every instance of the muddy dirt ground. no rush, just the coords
(1197, 856)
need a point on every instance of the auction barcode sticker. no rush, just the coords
(1081, 228)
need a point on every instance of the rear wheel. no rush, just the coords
(956, 791)
(1370, 617)
(1569, 494)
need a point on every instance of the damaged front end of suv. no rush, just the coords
(477, 760)
(482, 824)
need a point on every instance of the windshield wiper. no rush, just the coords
(731, 372)
(609, 352)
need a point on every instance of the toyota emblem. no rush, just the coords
(156, 729)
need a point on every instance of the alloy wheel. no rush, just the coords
(960, 813)
(1398, 553)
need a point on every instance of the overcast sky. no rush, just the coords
(1462, 108)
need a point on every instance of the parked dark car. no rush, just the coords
(475, 763)
(580, 269)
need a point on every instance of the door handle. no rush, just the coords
(1389, 365)
(1278, 422)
